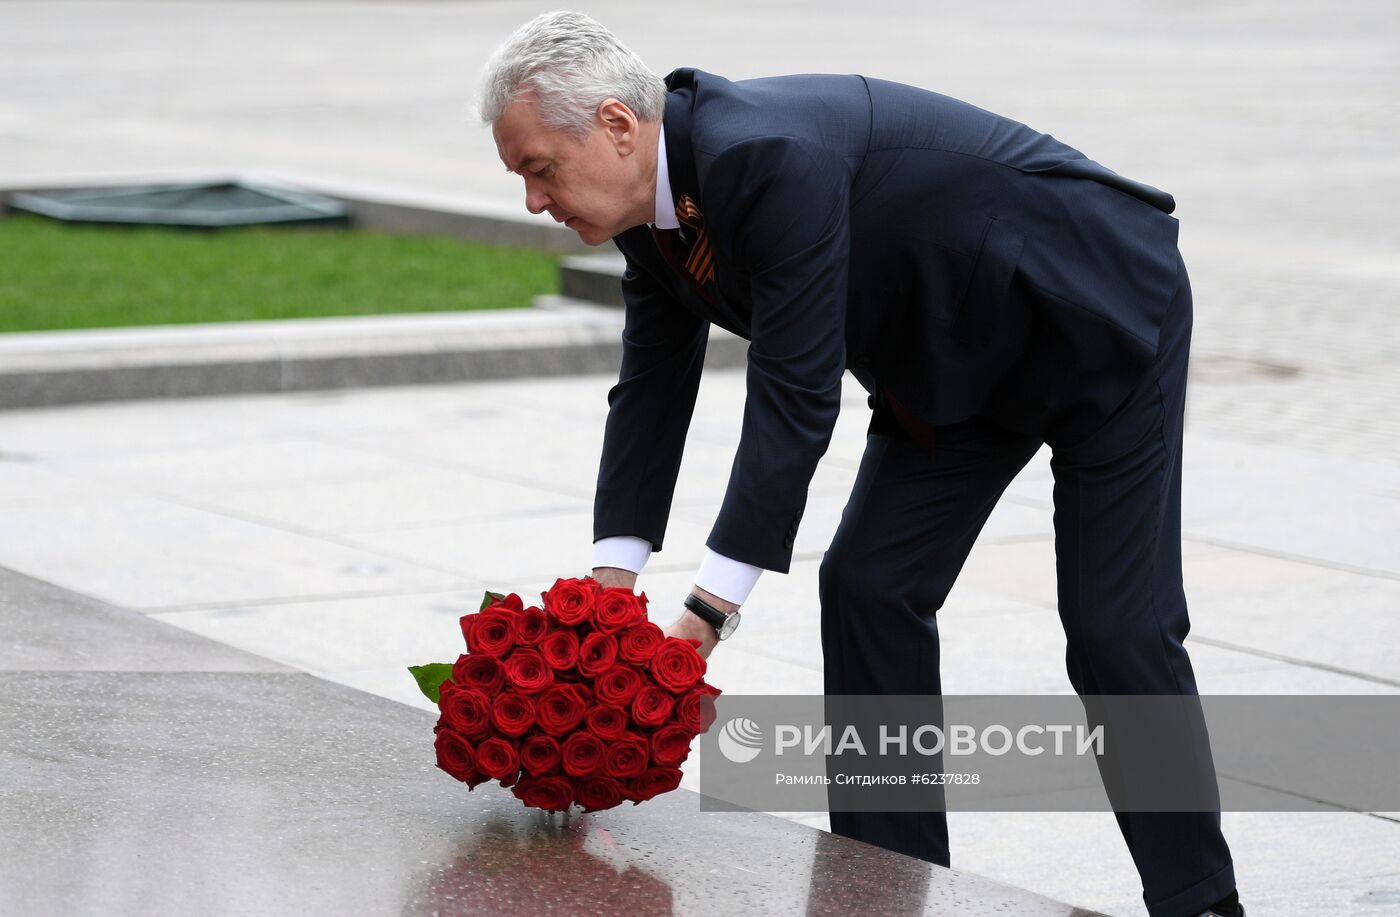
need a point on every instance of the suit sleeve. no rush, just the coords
(779, 208)
(649, 410)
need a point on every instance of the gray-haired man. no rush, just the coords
(993, 290)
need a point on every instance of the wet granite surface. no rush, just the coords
(45, 627)
(187, 777)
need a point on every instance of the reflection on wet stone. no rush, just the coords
(541, 863)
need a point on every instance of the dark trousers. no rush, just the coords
(908, 527)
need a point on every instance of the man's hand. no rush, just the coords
(609, 577)
(690, 626)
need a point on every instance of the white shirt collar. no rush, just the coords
(665, 205)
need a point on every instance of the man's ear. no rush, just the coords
(621, 124)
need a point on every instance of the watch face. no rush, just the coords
(731, 624)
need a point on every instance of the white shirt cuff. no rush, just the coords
(626, 552)
(731, 580)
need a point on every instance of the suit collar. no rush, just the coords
(680, 154)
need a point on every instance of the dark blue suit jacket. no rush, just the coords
(866, 225)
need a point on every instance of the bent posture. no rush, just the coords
(990, 287)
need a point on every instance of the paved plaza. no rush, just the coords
(1274, 125)
(342, 533)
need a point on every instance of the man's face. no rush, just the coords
(594, 186)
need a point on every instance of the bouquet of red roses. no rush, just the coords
(581, 701)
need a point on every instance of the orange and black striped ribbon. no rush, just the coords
(701, 261)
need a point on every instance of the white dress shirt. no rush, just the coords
(665, 207)
(730, 579)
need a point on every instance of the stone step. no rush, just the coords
(592, 278)
(560, 336)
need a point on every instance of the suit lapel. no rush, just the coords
(680, 166)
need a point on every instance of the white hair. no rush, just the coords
(571, 64)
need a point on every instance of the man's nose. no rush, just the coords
(535, 199)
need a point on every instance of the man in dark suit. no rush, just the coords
(990, 287)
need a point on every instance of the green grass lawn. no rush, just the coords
(55, 275)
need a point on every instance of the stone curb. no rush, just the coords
(558, 337)
(592, 278)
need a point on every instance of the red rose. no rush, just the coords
(560, 649)
(686, 712)
(530, 626)
(651, 706)
(617, 685)
(676, 665)
(554, 793)
(495, 757)
(598, 793)
(626, 757)
(465, 710)
(509, 604)
(513, 713)
(607, 721)
(653, 782)
(559, 709)
(639, 642)
(708, 693)
(695, 709)
(475, 670)
(490, 632)
(526, 670)
(570, 601)
(456, 756)
(597, 654)
(670, 745)
(540, 754)
(617, 607)
(583, 754)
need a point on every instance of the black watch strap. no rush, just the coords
(705, 611)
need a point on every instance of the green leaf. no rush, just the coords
(491, 598)
(430, 678)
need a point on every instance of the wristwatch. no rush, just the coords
(724, 623)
